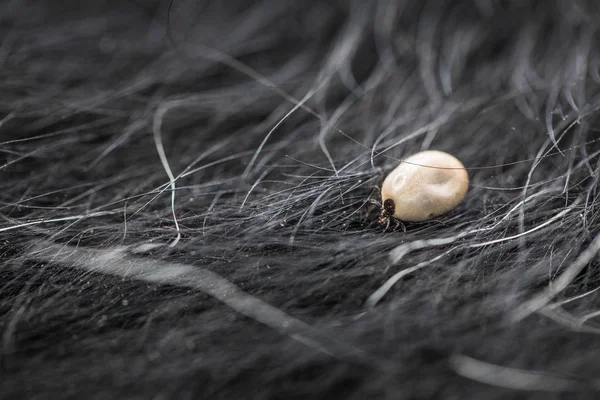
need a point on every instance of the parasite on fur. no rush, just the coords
(424, 186)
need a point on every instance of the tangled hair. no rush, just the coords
(189, 204)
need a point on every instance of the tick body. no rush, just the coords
(424, 186)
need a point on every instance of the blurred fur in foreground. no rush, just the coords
(186, 199)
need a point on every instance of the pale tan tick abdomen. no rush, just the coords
(424, 186)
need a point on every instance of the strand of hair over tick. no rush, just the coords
(226, 59)
(556, 153)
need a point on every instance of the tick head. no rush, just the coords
(389, 207)
(387, 211)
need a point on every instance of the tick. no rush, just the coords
(424, 186)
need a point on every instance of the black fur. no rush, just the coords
(187, 199)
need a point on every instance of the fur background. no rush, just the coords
(188, 199)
